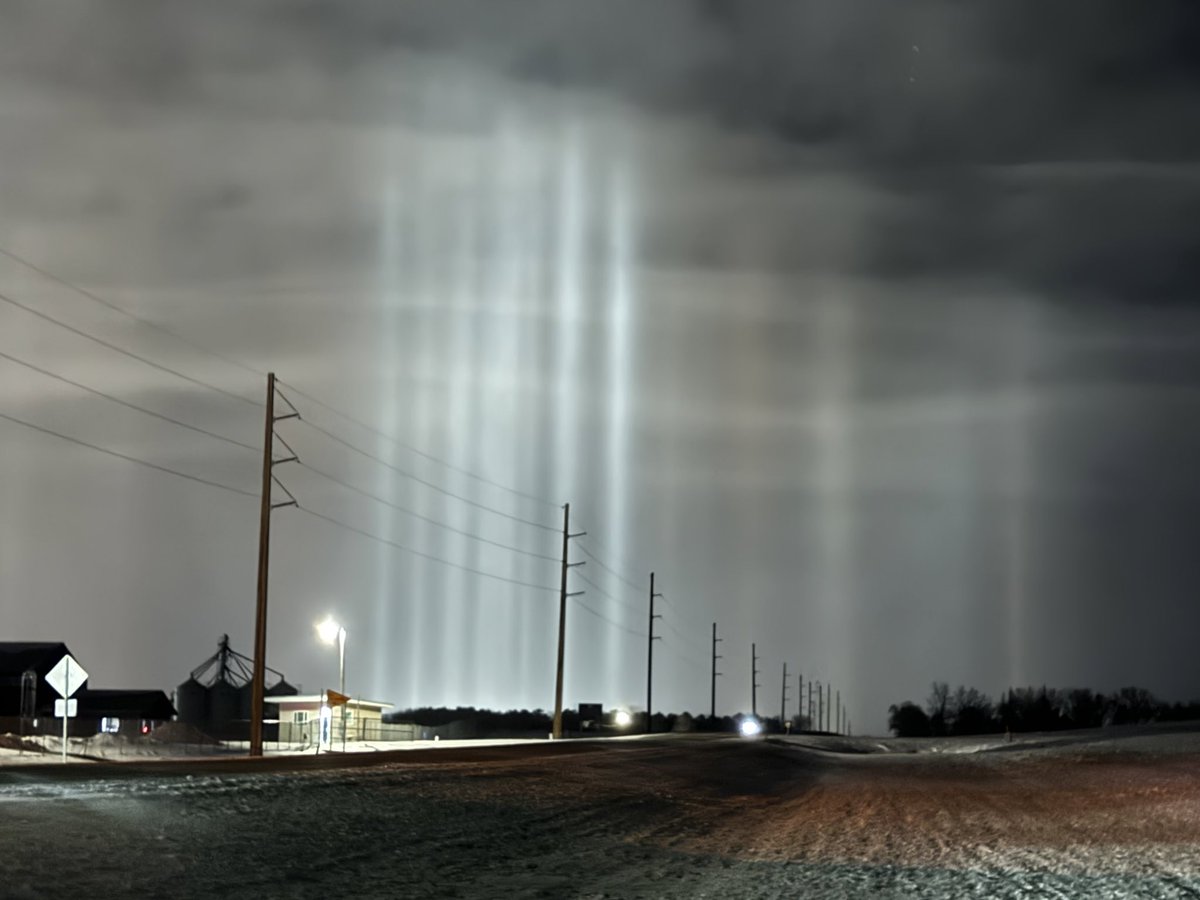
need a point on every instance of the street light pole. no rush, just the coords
(342, 679)
(329, 631)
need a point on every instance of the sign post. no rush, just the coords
(66, 678)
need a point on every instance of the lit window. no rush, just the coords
(110, 725)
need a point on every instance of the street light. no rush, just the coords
(329, 631)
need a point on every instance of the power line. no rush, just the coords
(84, 292)
(423, 518)
(428, 484)
(605, 618)
(596, 559)
(129, 353)
(679, 634)
(126, 403)
(605, 593)
(425, 455)
(445, 562)
(162, 329)
(690, 660)
(108, 304)
(617, 560)
(132, 459)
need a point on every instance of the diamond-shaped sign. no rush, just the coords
(67, 676)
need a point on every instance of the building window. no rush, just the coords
(110, 725)
(300, 716)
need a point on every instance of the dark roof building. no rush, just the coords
(19, 657)
(148, 706)
(23, 669)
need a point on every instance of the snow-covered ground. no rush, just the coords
(1110, 816)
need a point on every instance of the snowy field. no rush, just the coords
(1095, 815)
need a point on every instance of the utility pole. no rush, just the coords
(783, 699)
(799, 701)
(820, 707)
(712, 710)
(811, 721)
(650, 656)
(562, 618)
(259, 675)
(754, 680)
(839, 711)
(828, 705)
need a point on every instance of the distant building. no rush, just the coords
(24, 693)
(299, 720)
(124, 711)
(27, 701)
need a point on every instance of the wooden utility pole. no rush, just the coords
(754, 680)
(839, 711)
(650, 657)
(820, 707)
(712, 710)
(828, 705)
(258, 680)
(562, 619)
(799, 701)
(783, 699)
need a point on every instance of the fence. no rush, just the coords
(298, 735)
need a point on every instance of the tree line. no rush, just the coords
(487, 722)
(966, 710)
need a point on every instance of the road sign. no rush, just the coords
(67, 708)
(67, 676)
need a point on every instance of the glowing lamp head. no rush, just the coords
(622, 718)
(327, 630)
(749, 727)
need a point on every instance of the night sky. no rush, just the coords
(873, 328)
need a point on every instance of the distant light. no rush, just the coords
(327, 630)
(750, 727)
(622, 718)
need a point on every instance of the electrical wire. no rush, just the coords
(108, 304)
(129, 353)
(608, 551)
(423, 518)
(425, 455)
(684, 638)
(592, 555)
(605, 618)
(429, 484)
(132, 459)
(596, 559)
(445, 562)
(126, 403)
(605, 593)
(84, 292)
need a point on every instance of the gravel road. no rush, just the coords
(671, 818)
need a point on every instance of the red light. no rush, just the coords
(145, 729)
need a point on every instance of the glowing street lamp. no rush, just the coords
(329, 631)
